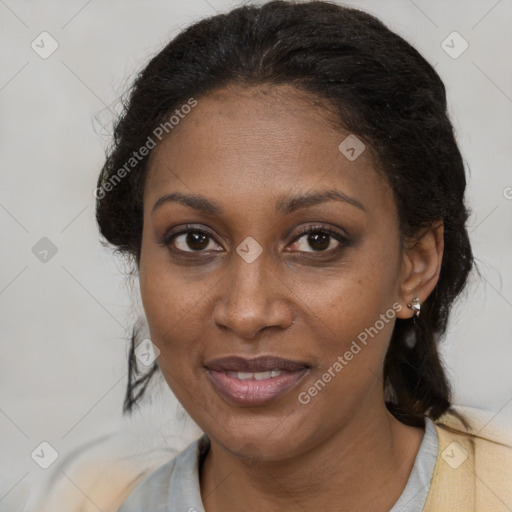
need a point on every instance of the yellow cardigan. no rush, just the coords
(471, 474)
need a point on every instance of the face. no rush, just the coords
(277, 246)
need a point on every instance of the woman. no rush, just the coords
(286, 181)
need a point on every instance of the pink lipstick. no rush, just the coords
(257, 381)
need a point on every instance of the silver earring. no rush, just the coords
(415, 306)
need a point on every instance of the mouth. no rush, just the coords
(258, 381)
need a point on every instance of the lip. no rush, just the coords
(251, 392)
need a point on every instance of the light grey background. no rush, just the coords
(64, 322)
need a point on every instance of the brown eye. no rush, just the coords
(319, 239)
(191, 240)
(194, 240)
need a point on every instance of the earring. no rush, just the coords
(415, 306)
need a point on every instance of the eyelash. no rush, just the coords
(339, 237)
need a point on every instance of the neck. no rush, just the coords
(362, 466)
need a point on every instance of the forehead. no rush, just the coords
(260, 141)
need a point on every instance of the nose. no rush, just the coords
(253, 298)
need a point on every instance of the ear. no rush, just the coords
(421, 265)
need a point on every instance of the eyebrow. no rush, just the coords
(293, 203)
(285, 206)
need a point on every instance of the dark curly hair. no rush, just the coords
(380, 88)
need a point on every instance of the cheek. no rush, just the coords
(353, 316)
(176, 328)
(352, 298)
(172, 308)
(352, 338)
(171, 304)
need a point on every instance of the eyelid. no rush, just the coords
(324, 229)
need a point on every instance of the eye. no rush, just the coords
(191, 239)
(319, 239)
(311, 239)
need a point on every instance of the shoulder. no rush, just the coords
(473, 470)
(179, 479)
(487, 437)
(95, 476)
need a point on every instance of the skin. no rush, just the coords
(247, 149)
